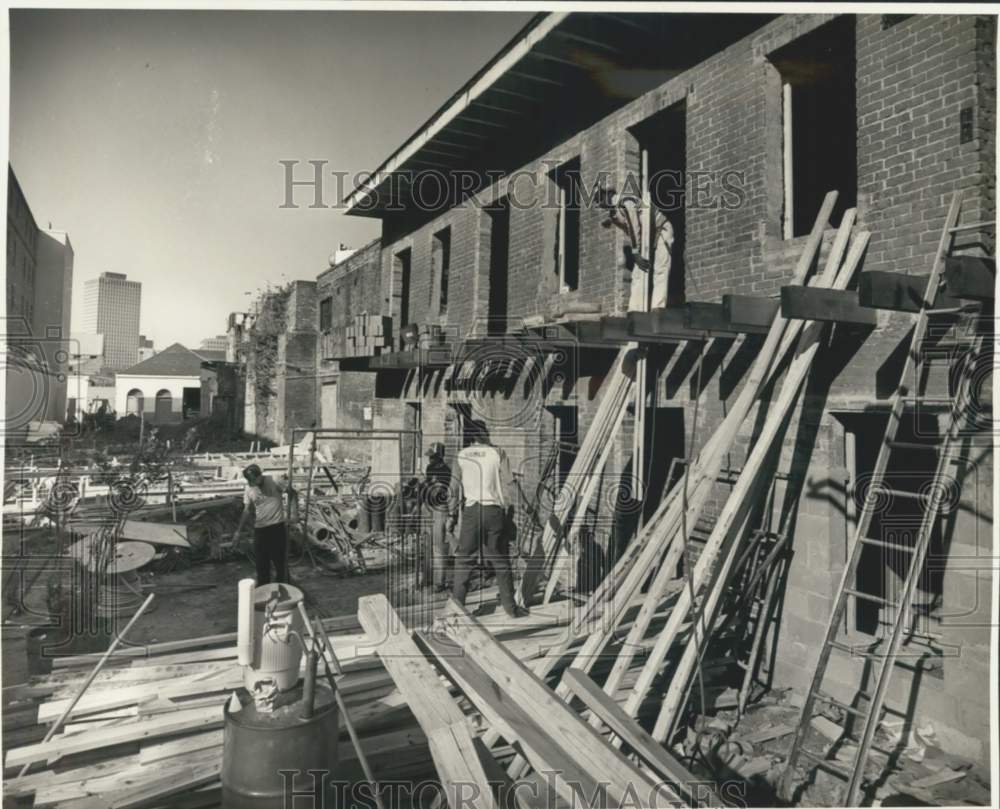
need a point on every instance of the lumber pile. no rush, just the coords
(148, 730)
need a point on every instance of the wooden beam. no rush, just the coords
(614, 328)
(694, 791)
(565, 727)
(971, 277)
(447, 732)
(825, 305)
(510, 719)
(897, 292)
(713, 317)
(750, 310)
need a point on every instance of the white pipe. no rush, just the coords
(244, 622)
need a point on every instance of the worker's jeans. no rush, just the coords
(269, 545)
(436, 550)
(485, 527)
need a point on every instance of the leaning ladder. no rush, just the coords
(885, 660)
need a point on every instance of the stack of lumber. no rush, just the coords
(148, 730)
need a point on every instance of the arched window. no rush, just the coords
(133, 402)
(164, 404)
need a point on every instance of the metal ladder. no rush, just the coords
(885, 658)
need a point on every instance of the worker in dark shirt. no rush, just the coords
(434, 498)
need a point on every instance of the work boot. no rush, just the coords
(519, 612)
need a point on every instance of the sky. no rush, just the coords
(153, 138)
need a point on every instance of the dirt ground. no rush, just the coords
(199, 600)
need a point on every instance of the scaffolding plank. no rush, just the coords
(826, 306)
(703, 315)
(750, 310)
(897, 292)
(970, 277)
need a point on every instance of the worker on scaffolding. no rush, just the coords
(263, 498)
(434, 499)
(483, 487)
(627, 213)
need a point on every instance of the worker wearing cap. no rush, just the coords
(483, 487)
(434, 497)
(263, 498)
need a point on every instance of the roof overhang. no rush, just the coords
(559, 75)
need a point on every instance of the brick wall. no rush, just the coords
(352, 286)
(913, 80)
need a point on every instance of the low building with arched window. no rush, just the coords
(164, 388)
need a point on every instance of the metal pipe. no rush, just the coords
(351, 731)
(309, 685)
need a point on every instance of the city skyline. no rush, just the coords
(165, 163)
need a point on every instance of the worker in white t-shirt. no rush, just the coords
(263, 498)
(483, 487)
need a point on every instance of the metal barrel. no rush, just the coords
(267, 756)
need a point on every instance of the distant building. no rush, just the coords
(146, 349)
(39, 288)
(88, 388)
(166, 387)
(111, 307)
(218, 343)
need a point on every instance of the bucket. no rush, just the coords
(256, 746)
(276, 652)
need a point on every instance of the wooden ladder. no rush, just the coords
(885, 657)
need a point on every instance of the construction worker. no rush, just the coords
(262, 498)
(627, 213)
(434, 497)
(483, 487)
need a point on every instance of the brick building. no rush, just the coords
(754, 118)
(39, 302)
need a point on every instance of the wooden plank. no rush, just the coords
(896, 292)
(605, 609)
(509, 719)
(444, 724)
(561, 723)
(750, 310)
(119, 734)
(713, 317)
(667, 325)
(825, 306)
(156, 533)
(694, 791)
(221, 679)
(970, 277)
(736, 511)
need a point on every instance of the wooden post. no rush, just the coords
(788, 224)
(851, 513)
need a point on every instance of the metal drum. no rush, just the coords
(277, 655)
(257, 746)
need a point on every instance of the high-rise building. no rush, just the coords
(111, 307)
(218, 343)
